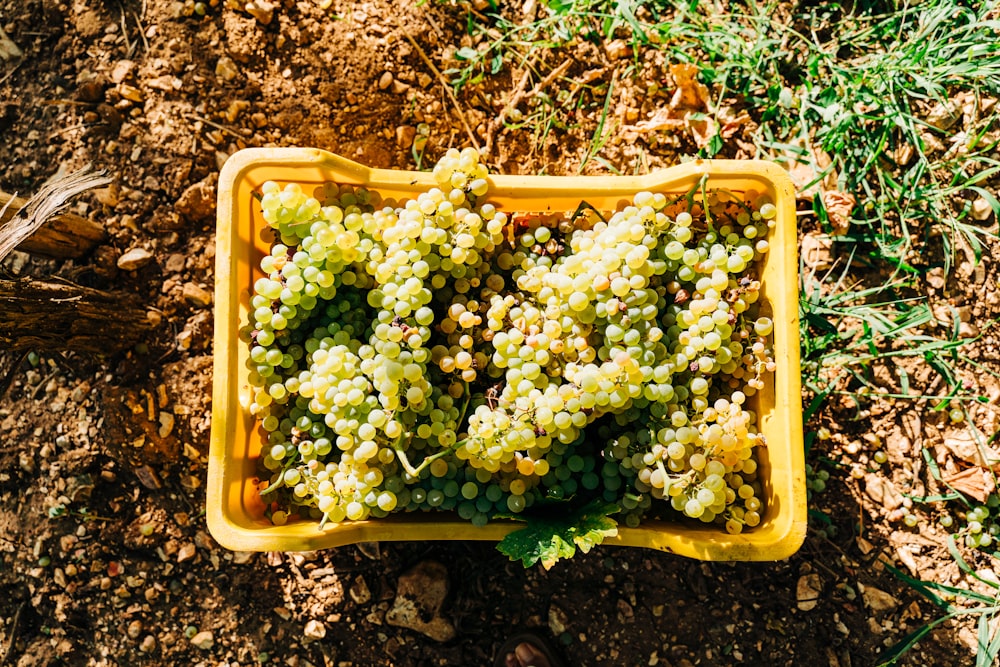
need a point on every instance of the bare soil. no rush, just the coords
(104, 554)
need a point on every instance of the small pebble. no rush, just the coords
(175, 263)
(981, 210)
(134, 629)
(122, 70)
(196, 295)
(360, 592)
(385, 81)
(405, 135)
(261, 10)
(226, 69)
(166, 424)
(242, 557)
(203, 640)
(315, 630)
(618, 49)
(186, 552)
(134, 259)
(148, 644)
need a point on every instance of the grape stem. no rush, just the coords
(704, 201)
(465, 405)
(401, 455)
(277, 483)
(415, 472)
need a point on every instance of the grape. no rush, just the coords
(412, 355)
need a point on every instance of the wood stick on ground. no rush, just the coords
(515, 99)
(65, 236)
(447, 89)
(12, 637)
(50, 315)
(43, 206)
(520, 95)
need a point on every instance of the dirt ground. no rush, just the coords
(105, 558)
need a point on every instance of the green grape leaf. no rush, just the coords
(549, 539)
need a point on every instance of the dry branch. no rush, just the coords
(65, 236)
(69, 236)
(46, 315)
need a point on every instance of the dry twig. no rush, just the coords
(519, 96)
(13, 634)
(447, 89)
(45, 204)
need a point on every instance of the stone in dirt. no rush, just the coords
(809, 588)
(197, 202)
(203, 640)
(186, 552)
(420, 593)
(981, 210)
(261, 10)
(314, 631)
(405, 135)
(360, 592)
(136, 258)
(558, 620)
(196, 296)
(878, 600)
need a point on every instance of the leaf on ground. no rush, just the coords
(810, 169)
(817, 251)
(662, 119)
(733, 122)
(690, 93)
(971, 447)
(838, 207)
(547, 540)
(687, 110)
(973, 482)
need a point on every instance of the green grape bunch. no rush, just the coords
(437, 354)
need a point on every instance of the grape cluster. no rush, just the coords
(434, 354)
(978, 527)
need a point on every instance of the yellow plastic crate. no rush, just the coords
(235, 512)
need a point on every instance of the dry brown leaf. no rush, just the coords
(816, 251)
(731, 124)
(805, 170)
(973, 482)
(662, 119)
(702, 130)
(964, 445)
(690, 93)
(690, 97)
(838, 207)
(882, 491)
